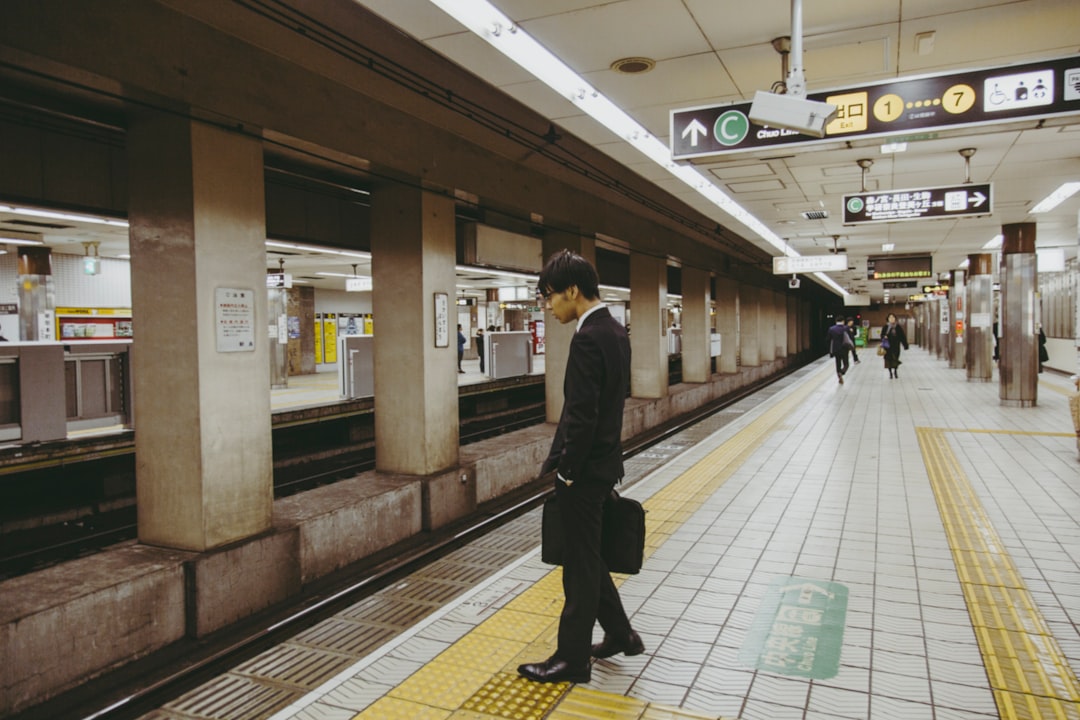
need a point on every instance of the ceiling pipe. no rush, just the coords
(796, 79)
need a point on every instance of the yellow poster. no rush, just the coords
(330, 338)
(318, 338)
(368, 327)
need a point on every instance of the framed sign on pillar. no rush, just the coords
(442, 320)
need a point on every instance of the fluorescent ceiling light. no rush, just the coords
(19, 241)
(888, 247)
(491, 25)
(1051, 201)
(33, 212)
(312, 248)
(964, 264)
(489, 271)
(344, 275)
(893, 147)
(995, 243)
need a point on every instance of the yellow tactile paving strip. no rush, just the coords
(476, 677)
(1028, 672)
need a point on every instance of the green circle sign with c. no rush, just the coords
(731, 128)
(855, 205)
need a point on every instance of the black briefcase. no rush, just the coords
(622, 542)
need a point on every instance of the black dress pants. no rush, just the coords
(842, 363)
(590, 594)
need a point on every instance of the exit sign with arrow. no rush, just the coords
(918, 204)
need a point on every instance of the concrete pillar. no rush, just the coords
(648, 338)
(805, 310)
(979, 342)
(727, 324)
(413, 254)
(767, 325)
(780, 323)
(792, 325)
(696, 331)
(935, 326)
(958, 331)
(1019, 349)
(203, 459)
(557, 336)
(749, 326)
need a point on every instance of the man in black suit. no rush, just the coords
(587, 455)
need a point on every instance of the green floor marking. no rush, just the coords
(799, 629)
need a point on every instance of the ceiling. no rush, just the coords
(708, 52)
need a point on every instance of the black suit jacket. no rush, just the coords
(588, 442)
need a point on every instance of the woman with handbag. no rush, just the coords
(892, 338)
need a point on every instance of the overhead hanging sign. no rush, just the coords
(918, 204)
(1031, 90)
(892, 267)
(808, 263)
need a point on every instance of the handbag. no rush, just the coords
(622, 539)
(881, 350)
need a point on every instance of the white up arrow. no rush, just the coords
(693, 129)
(977, 200)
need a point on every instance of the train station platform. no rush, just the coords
(887, 549)
(321, 388)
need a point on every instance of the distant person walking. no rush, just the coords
(480, 347)
(892, 338)
(839, 345)
(460, 348)
(853, 332)
(1044, 356)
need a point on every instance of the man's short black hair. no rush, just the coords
(566, 269)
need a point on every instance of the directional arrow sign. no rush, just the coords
(694, 129)
(918, 204)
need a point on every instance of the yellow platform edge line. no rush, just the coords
(534, 701)
(1029, 674)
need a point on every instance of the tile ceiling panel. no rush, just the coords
(592, 39)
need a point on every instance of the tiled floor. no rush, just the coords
(952, 524)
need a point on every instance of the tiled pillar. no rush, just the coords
(203, 459)
(648, 339)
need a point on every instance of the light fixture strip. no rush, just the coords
(502, 273)
(34, 212)
(312, 248)
(1051, 201)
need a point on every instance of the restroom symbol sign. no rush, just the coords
(1072, 84)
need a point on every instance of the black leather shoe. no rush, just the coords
(554, 670)
(631, 645)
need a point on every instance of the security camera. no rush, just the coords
(793, 283)
(791, 112)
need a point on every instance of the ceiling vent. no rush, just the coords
(633, 65)
(815, 214)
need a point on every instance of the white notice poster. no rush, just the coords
(234, 316)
